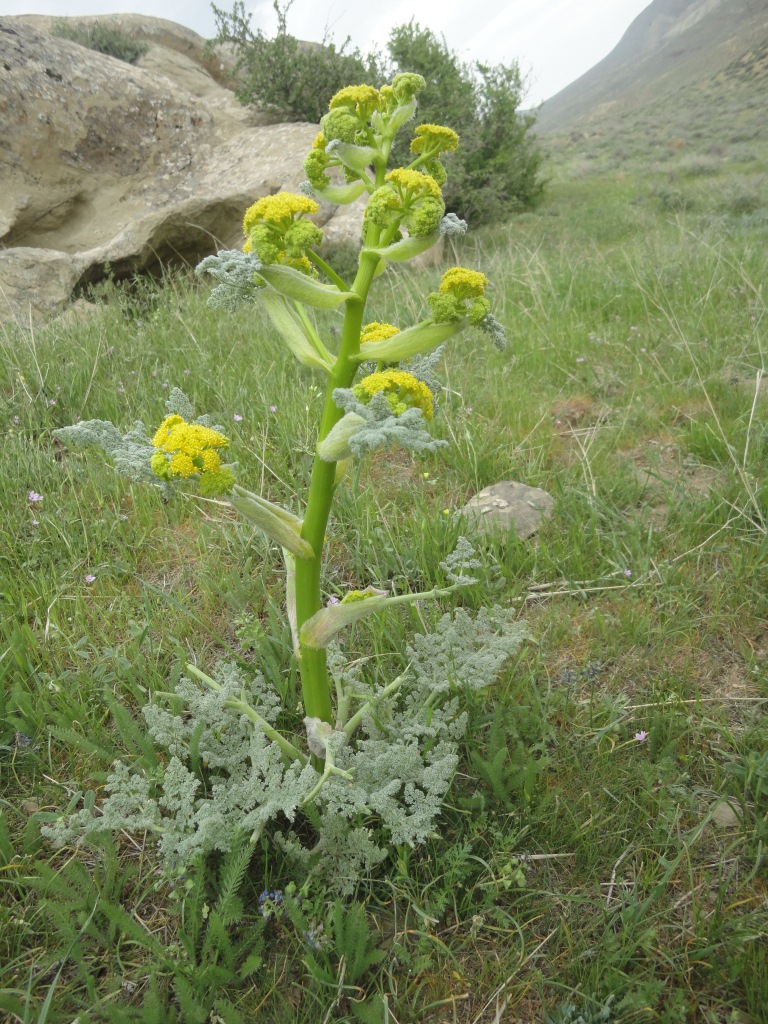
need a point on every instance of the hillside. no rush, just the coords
(674, 48)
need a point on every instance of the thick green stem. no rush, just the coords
(315, 681)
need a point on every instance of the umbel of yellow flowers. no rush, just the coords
(191, 449)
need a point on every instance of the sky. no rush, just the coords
(554, 41)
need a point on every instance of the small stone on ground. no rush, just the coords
(510, 504)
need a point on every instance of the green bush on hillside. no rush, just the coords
(282, 75)
(102, 39)
(496, 170)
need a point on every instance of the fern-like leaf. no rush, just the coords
(228, 1013)
(192, 1010)
(231, 876)
(127, 925)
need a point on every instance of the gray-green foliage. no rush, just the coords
(382, 427)
(224, 778)
(130, 451)
(235, 271)
(462, 557)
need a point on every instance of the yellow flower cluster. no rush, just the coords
(363, 99)
(458, 287)
(376, 331)
(367, 119)
(430, 141)
(434, 138)
(414, 182)
(463, 283)
(409, 198)
(276, 232)
(187, 449)
(403, 391)
(280, 208)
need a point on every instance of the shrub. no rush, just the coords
(285, 76)
(102, 39)
(672, 200)
(495, 171)
(743, 198)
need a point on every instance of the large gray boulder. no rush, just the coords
(105, 163)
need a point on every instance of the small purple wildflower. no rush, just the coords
(33, 497)
(641, 736)
(89, 577)
(580, 359)
(332, 600)
(237, 417)
(271, 903)
(51, 401)
(35, 522)
(627, 573)
(16, 419)
(273, 408)
(187, 372)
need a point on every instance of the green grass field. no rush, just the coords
(602, 856)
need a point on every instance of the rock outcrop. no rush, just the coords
(135, 167)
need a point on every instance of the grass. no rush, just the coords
(102, 39)
(579, 872)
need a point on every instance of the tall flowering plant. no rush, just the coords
(375, 757)
(404, 217)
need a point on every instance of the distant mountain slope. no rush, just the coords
(672, 45)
